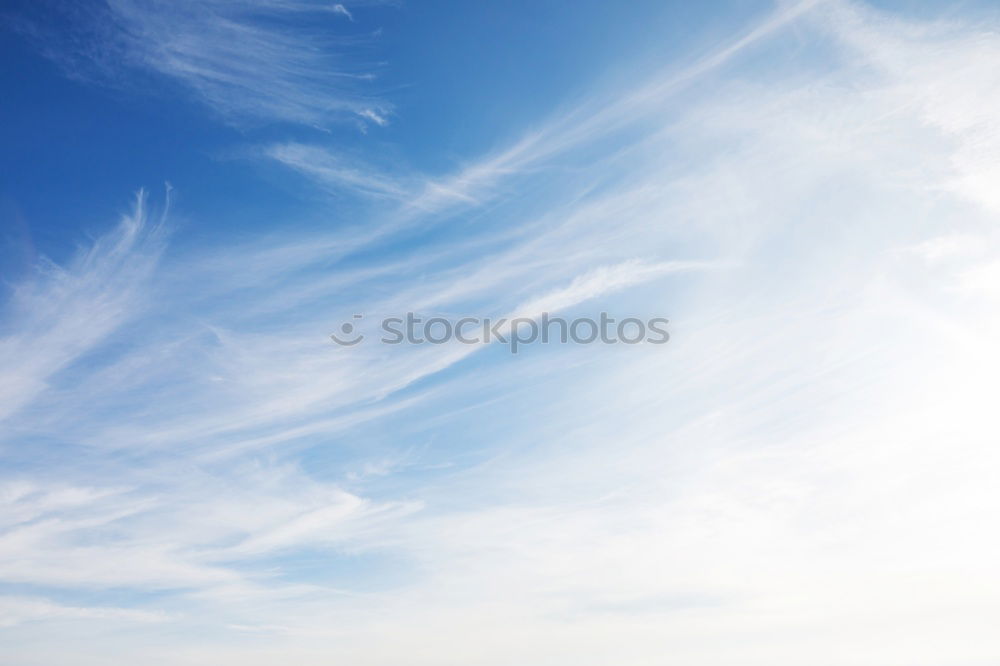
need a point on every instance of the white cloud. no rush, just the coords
(341, 9)
(811, 456)
(62, 313)
(250, 61)
(17, 610)
(598, 282)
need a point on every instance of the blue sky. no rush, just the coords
(195, 195)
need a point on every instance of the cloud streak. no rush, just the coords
(66, 311)
(250, 61)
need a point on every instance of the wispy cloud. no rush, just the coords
(63, 312)
(341, 9)
(17, 610)
(249, 61)
(599, 282)
(337, 174)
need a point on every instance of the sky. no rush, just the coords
(195, 195)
